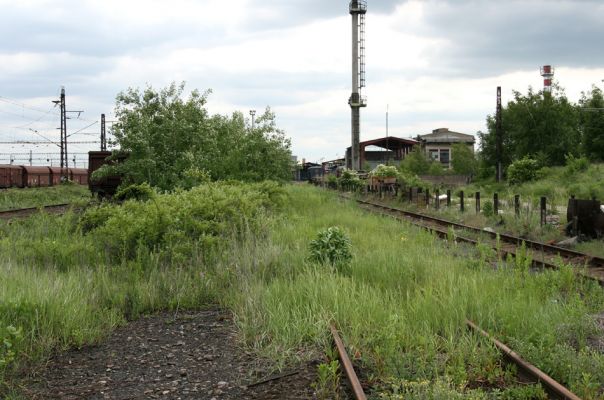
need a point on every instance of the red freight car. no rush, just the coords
(37, 176)
(11, 176)
(78, 175)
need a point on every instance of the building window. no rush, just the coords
(433, 154)
(444, 156)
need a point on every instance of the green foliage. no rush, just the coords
(178, 223)
(487, 209)
(140, 192)
(385, 171)
(36, 197)
(416, 162)
(575, 165)
(10, 337)
(523, 170)
(592, 123)
(172, 141)
(463, 159)
(327, 385)
(409, 179)
(436, 169)
(332, 246)
(534, 124)
(349, 180)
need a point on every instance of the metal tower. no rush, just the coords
(547, 72)
(358, 9)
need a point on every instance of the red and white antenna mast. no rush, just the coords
(547, 72)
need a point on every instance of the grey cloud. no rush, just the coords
(489, 38)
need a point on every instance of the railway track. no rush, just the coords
(26, 212)
(542, 254)
(554, 389)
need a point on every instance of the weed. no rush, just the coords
(327, 386)
(333, 247)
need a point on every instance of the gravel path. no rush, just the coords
(192, 355)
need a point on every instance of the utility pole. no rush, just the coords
(103, 136)
(63, 128)
(499, 136)
(30, 158)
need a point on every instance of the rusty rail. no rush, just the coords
(357, 389)
(551, 386)
(595, 270)
(26, 212)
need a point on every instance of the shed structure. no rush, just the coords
(386, 150)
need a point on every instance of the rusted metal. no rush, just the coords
(595, 270)
(551, 385)
(357, 389)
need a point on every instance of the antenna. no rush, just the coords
(357, 9)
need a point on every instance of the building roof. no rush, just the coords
(444, 135)
(389, 142)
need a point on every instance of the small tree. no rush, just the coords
(416, 162)
(523, 170)
(463, 161)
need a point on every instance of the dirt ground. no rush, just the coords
(192, 355)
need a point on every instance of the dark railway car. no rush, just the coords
(106, 186)
(590, 217)
(37, 176)
(11, 176)
(78, 175)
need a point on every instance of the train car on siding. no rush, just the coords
(37, 176)
(11, 176)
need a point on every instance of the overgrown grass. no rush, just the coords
(404, 304)
(36, 197)
(64, 286)
(400, 306)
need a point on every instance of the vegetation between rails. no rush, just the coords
(401, 308)
(36, 197)
(396, 293)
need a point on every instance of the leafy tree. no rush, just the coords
(463, 159)
(172, 141)
(542, 125)
(591, 106)
(416, 162)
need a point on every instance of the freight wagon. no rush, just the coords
(29, 176)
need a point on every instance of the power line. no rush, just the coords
(41, 142)
(10, 101)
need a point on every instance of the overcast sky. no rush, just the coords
(433, 63)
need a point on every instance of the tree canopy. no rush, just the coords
(542, 125)
(591, 106)
(172, 141)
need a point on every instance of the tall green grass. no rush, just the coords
(37, 197)
(400, 309)
(403, 307)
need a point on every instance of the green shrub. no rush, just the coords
(521, 171)
(332, 246)
(385, 171)
(10, 337)
(140, 192)
(575, 165)
(350, 180)
(487, 209)
(175, 224)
